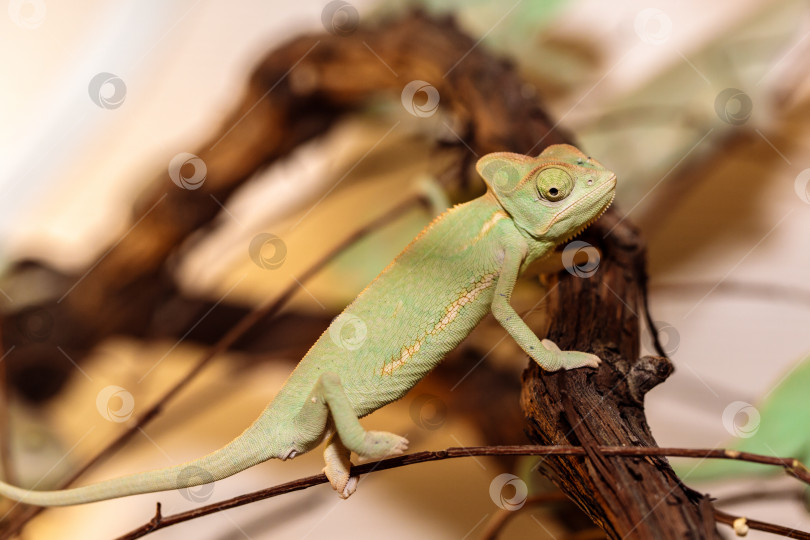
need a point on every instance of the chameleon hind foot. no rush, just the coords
(338, 467)
(379, 444)
(328, 399)
(376, 444)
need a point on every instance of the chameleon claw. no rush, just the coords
(571, 359)
(400, 447)
(351, 487)
(577, 359)
(589, 360)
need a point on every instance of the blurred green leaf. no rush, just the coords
(783, 431)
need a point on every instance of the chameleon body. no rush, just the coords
(460, 268)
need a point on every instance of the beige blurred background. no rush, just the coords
(645, 106)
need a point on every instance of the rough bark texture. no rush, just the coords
(638, 498)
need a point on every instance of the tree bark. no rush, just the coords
(629, 498)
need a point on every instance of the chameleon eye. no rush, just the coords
(554, 184)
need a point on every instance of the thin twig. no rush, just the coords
(795, 494)
(787, 532)
(792, 466)
(763, 291)
(644, 286)
(257, 315)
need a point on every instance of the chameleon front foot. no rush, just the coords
(567, 359)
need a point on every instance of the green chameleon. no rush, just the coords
(461, 267)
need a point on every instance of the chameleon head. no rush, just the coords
(553, 196)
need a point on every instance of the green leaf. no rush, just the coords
(783, 431)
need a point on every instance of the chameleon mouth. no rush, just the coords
(589, 222)
(597, 194)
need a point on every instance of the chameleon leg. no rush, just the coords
(338, 467)
(547, 354)
(328, 396)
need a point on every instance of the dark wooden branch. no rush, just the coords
(590, 408)
(629, 454)
(6, 464)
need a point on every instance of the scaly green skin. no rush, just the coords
(461, 267)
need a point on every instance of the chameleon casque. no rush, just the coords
(458, 269)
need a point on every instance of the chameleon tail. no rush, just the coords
(252, 447)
